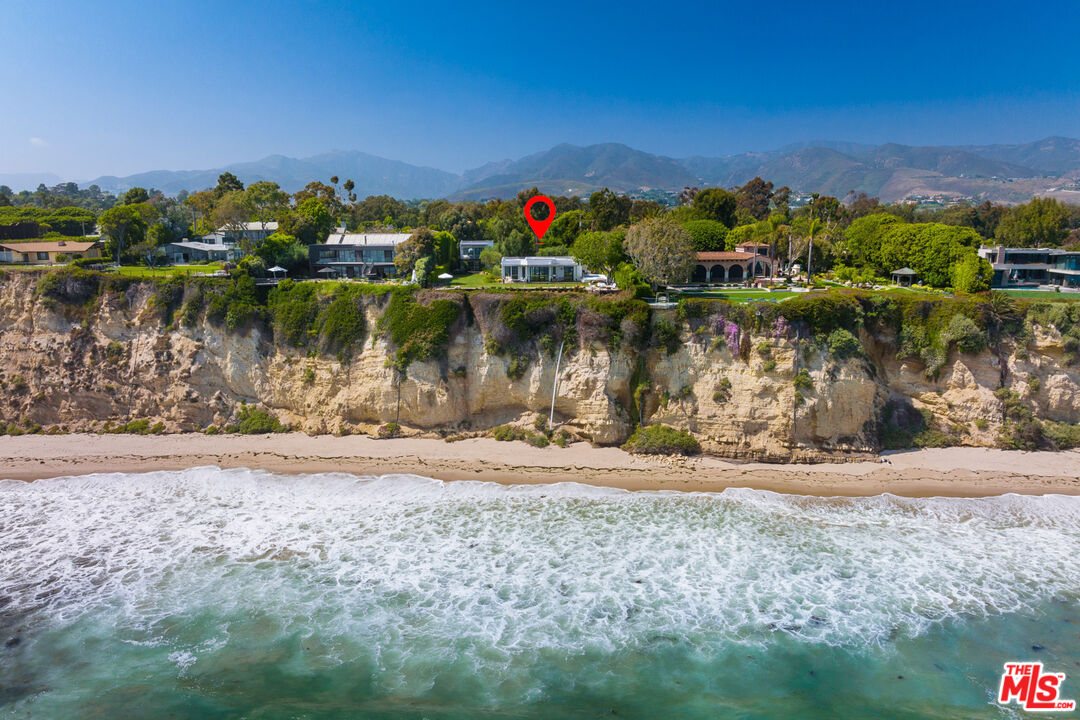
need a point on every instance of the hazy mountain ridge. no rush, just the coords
(892, 171)
(373, 175)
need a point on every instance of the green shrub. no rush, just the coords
(963, 331)
(666, 335)
(516, 368)
(1034, 384)
(309, 376)
(212, 430)
(843, 344)
(803, 381)
(389, 430)
(418, 332)
(981, 423)
(253, 421)
(661, 440)
(18, 384)
(1064, 436)
(722, 392)
(769, 365)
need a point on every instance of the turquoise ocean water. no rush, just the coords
(215, 593)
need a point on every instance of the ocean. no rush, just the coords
(210, 593)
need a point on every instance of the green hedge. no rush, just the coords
(662, 440)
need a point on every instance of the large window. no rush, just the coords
(43, 256)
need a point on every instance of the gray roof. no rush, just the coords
(367, 239)
(205, 247)
(271, 226)
(904, 271)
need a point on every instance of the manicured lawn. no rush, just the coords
(476, 280)
(1043, 295)
(143, 271)
(483, 280)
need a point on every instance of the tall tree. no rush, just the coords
(266, 200)
(716, 204)
(1043, 222)
(609, 210)
(134, 196)
(227, 183)
(232, 214)
(421, 244)
(662, 250)
(600, 251)
(753, 198)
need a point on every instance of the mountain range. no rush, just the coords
(1000, 173)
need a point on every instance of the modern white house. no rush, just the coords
(356, 255)
(1031, 267)
(541, 269)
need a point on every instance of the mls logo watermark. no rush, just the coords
(1032, 689)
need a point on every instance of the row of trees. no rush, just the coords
(605, 230)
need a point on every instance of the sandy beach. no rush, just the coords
(961, 472)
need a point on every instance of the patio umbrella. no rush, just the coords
(276, 269)
(326, 270)
(446, 276)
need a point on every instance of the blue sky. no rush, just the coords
(95, 88)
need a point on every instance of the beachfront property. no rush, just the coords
(252, 232)
(356, 255)
(541, 269)
(49, 252)
(470, 252)
(1032, 267)
(748, 260)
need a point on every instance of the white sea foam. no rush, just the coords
(395, 561)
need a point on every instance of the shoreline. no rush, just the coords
(949, 472)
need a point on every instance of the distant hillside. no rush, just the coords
(573, 170)
(1000, 173)
(373, 175)
(1051, 156)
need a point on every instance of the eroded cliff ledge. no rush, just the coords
(810, 378)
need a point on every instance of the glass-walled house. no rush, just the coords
(541, 269)
(1031, 267)
(1066, 269)
(356, 255)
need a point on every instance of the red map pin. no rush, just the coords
(539, 226)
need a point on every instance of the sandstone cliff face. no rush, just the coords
(122, 363)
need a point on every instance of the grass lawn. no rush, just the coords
(476, 280)
(483, 280)
(1043, 295)
(166, 271)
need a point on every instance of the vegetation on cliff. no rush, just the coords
(827, 330)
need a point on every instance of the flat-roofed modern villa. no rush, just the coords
(541, 269)
(356, 255)
(1031, 267)
(748, 260)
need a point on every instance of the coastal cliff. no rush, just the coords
(802, 380)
